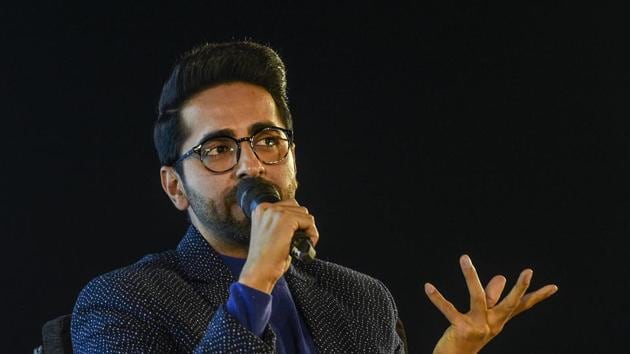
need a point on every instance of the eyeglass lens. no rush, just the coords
(221, 154)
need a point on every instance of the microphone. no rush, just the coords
(251, 192)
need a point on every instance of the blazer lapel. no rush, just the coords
(325, 316)
(204, 267)
(322, 312)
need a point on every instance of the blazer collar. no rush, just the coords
(202, 264)
(200, 261)
(318, 305)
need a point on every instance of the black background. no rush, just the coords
(423, 132)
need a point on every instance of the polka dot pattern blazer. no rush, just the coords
(174, 302)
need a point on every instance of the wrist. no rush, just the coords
(449, 343)
(445, 349)
(258, 279)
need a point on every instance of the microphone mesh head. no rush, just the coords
(252, 191)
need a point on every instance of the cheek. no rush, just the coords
(289, 179)
(291, 168)
(207, 186)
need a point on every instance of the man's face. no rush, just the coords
(236, 109)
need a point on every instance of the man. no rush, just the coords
(231, 285)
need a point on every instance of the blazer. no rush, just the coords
(174, 302)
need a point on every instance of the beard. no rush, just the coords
(216, 216)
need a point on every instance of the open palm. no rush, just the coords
(470, 331)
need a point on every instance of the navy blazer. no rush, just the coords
(174, 302)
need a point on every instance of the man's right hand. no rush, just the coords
(273, 226)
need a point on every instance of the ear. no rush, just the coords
(173, 187)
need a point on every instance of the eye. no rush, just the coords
(268, 141)
(269, 138)
(217, 148)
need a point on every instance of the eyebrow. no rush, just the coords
(253, 129)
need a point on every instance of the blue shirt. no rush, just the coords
(255, 309)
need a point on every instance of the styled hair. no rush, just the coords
(209, 65)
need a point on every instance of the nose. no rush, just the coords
(248, 164)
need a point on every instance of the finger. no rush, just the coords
(447, 308)
(477, 294)
(293, 204)
(293, 208)
(313, 234)
(513, 298)
(531, 299)
(494, 289)
(297, 218)
(306, 223)
(285, 205)
(287, 263)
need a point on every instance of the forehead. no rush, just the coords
(236, 106)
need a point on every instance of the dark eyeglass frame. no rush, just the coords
(197, 149)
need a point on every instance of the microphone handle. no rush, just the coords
(302, 248)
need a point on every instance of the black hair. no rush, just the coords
(209, 65)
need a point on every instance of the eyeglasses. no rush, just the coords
(218, 154)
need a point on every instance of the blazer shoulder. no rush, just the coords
(350, 299)
(327, 271)
(150, 273)
(352, 283)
